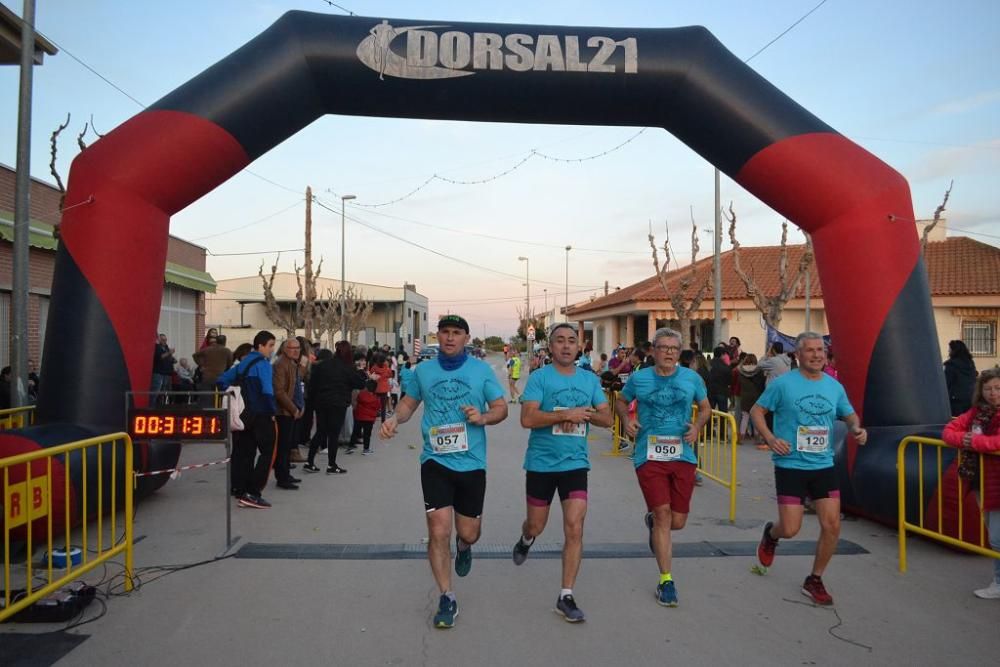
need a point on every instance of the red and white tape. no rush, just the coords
(176, 472)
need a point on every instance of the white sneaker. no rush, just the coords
(991, 592)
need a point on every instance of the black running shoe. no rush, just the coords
(521, 551)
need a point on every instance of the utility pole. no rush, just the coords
(309, 301)
(717, 266)
(808, 295)
(22, 215)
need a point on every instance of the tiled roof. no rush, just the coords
(956, 266)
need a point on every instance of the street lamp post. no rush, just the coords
(527, 300)
(343, 266)
(545, 291)
(566, 313)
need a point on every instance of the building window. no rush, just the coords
(980, 336)
(425, 317)
(409, 313)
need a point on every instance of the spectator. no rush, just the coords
(366, 408)
(960, 376)
(5, 394)
(163, 370)
(751, 387)
(620, 357)
(212, 362)
(330, 384)
(185, 379)
(831, 365)
(585, 362)
(381, 373)
(648, 361)
(978, 429)
(286, 380)
(776, 363)
(719, 379)
(602, 363)
(257, 439)
(210, 337)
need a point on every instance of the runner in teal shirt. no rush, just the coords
(551, 448)
(559, 404)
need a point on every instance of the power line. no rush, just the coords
(480, 267)
(343, 9)
(481, 181)
(251, 224)
(503, 238)
(258, 252)
(785, 32)
(94, 71)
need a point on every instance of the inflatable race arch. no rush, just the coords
(109, 272)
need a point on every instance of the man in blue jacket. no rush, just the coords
(253, 374)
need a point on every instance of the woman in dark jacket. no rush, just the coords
(719, 379)
(751, 379)
(331, 381)
(960, 374)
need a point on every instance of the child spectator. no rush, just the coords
(366, 409)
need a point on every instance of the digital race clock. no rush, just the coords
(177, 423)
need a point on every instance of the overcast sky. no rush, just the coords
(915, 83)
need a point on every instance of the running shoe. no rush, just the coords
(991, 592)
(367, 452)
(649, 526)
(463, 559)
(446, 613)
(309, 467)
(666, 594)
(566, 606)
(335, 470)
(765, 550)
(254, 501)
(814, 589)
(521, 551)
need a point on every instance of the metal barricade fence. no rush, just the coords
(717, 453)
(31, 484)
(17, 417)
(937, 530)
(716, 448)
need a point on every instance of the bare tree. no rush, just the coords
(937, 218)
(53, 151)
(771, 307)
(289, 321)
(683, 304)
(356, 313)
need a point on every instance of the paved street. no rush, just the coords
(355, 610)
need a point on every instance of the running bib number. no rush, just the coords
(664, 448)
(449, 438)
(812, 439)
(574, 430)
(623, 377)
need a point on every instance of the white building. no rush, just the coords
(237, 309)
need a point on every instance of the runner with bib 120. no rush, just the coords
(805, 404)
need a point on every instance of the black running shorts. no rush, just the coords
(444, 487)
(793, 486)
(540, 487)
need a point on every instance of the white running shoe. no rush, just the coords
(991, 592)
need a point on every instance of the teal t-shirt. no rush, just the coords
(804, 412)
(549, 448)
(664, 408)
(448, 438)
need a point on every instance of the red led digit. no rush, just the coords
(139, 427)
(169, 425)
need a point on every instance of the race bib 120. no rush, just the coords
(812, 439)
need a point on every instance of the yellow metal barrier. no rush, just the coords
(620, 443)
(936, 533)
(717, 453)
(27, 503)
(17, 418)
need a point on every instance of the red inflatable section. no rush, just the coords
(15, 445)
(132, 195)
(846, 199)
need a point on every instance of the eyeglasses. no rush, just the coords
(667, 348)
